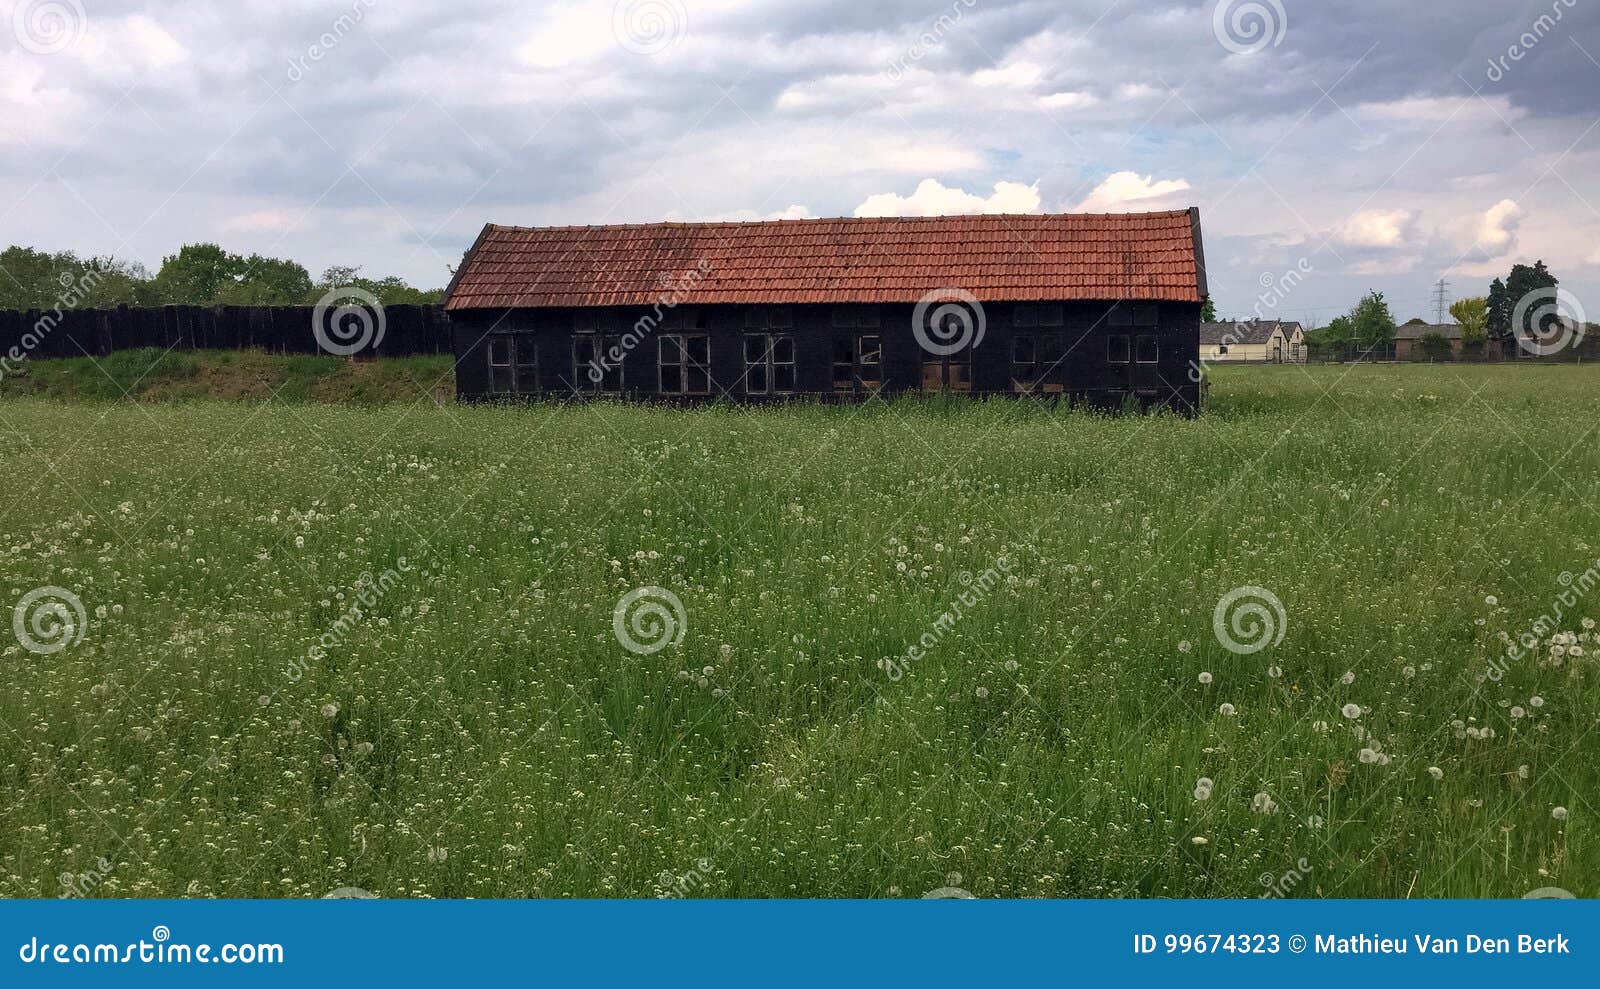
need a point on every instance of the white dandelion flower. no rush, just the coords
(1368, 757)
(1518, 712)
(1205, 678)
(1202, 793)
(1227, 710)
(1198, 840)
(1559, 813)
(1012, 666)
(1184, 646)
(1351, 711)
(1274, 672)
(1491, 600)
(1436, 773)
(1536, 702)
(1348, 678)
(982, 692)
(329, 710)
(1264, 804)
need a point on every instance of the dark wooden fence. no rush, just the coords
(406, 330)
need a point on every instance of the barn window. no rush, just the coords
(526, 352)
(597, 362)
(1024, 361)
(950, 373)
(685, 364)
(1117, 349)
(1148, 348)
(768, 363)
(857, 361)
(502, 370)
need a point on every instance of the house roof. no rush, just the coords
(1416, 331)
(1145, 256)
(1247, 331)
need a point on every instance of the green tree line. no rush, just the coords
(198, 275)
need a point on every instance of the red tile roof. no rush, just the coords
(1148, 256)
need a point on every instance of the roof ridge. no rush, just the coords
(798, 221)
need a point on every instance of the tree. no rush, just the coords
(1505, 296)
(390, 291)
(1371, 322)
(267, 282)
(197, 275)
(1472, 315)
(37, 280)
(1208, 311)
(1434, 347)
(1499, 322)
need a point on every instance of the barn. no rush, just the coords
(1099, 309)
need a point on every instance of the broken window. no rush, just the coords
(857, 362)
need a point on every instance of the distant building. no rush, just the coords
(1261, 341)
(1408, 340)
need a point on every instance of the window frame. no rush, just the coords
(1126, 349)
(685, 365)
(518, 373)
(611, 379)
(1138, 348)
(769, 363)
(859, 350)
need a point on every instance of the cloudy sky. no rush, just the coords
(1370, 143)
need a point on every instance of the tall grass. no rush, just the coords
(477, 729)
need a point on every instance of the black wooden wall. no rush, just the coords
(1084, 371)
(408, 330)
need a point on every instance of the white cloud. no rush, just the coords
(1020, 75)
(1124, 189)
(1497, 229)
(1068, 101)
(935, 199)
(268, 220)
(1383, 228)
(795, 212)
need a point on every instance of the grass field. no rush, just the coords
(923, 645)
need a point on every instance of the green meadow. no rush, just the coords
(322, 634)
